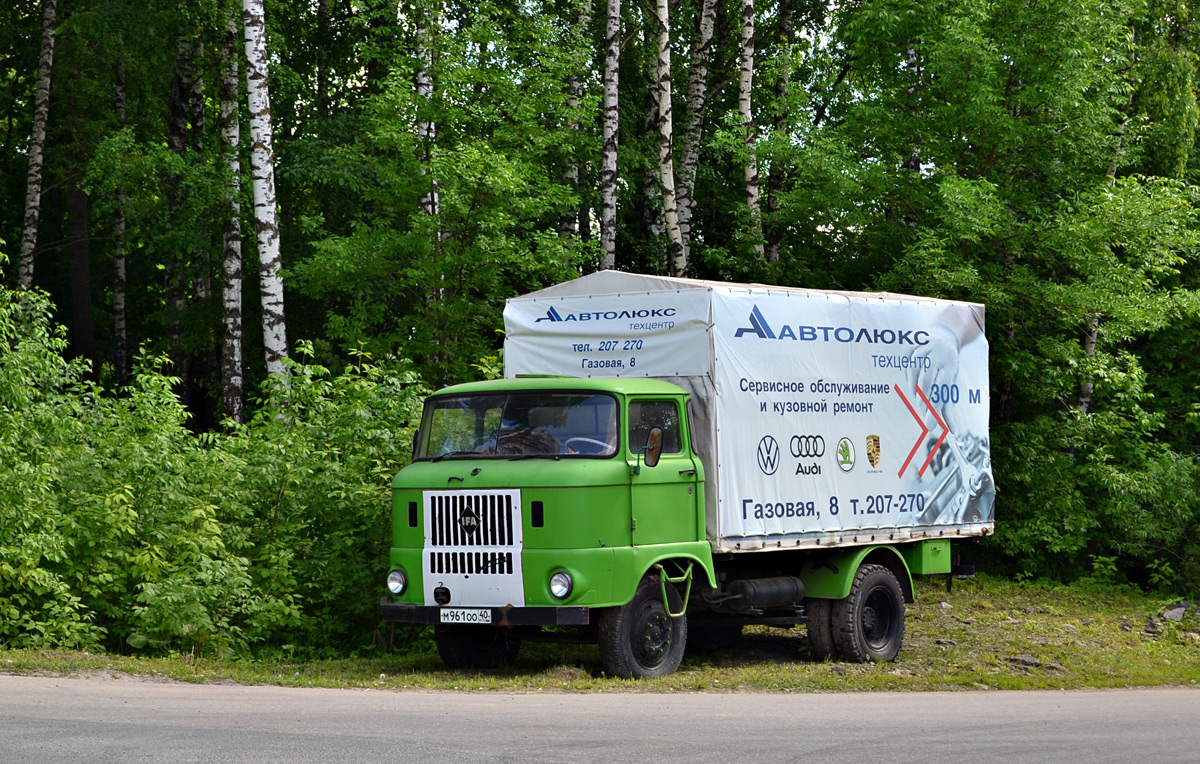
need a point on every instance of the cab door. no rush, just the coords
(663, 496)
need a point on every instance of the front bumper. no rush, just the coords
(501, 616)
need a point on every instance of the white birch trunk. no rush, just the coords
(745, 83)
(652, 208)
(426, 128)
(697, 97)
(608, 162)
(572, 222)
(262, 170)
(232, 374)
(37, 145)
(666, 162)
(773, 229)
(1087, 391)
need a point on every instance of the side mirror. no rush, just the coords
(651, 452)
(654, 447)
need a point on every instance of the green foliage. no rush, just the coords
(120, 527)
(40, 404)
(398, 277)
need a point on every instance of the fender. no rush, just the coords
(632, 563)
(831, 576)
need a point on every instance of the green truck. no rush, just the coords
(669, 460)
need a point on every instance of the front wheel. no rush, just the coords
(868, 625)
(641, 640)
(475, 647)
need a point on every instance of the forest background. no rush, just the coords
(431, 159)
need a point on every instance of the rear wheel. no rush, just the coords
(868, 625)
(475, 647)
(641, 640)
(820, 628)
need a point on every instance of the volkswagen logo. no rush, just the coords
(768, 455)
(469, 521)
(808, 446)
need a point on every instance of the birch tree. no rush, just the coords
(575, 222)
(666, 162)
(608, 162)
(37, 144)
(426, 127)
(653, 222)
(745, 83)
(773, 230)
(262, 169)
(697, 98)
(232, 381)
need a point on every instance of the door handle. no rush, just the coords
(688, 472)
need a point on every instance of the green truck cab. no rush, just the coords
(546, 502)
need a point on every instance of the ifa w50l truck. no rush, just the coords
(668, 460)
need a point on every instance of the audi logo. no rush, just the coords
(768, 455)
(808, 446)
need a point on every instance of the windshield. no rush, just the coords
(514, 425)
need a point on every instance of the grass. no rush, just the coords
(986, 634)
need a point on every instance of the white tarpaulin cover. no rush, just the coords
(834, 417)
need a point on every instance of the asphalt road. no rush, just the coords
(129, 720)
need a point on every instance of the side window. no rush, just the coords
(644, 416)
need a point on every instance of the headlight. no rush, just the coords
(397, 582)
(561, 584)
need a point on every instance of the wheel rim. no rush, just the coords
(652, 631)
(878, 619)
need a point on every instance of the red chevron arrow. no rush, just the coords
(924, 431)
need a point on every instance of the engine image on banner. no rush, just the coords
(850, 413)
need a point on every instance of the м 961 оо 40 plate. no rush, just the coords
(466, 615)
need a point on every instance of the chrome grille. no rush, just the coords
(465, 519)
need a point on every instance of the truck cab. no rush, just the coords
(546, 501)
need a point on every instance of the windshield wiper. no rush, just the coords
(518, 457)
(449, 454)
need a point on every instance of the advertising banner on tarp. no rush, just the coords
(651, 334)
(824, 416)
(845, 413)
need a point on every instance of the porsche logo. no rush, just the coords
(873, 450)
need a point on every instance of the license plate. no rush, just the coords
(466, 615)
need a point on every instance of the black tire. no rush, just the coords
(710, 636)
(641, 640)
(475, 647)
(868, 625)
(820, 628)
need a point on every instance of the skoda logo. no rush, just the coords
(808, 446)
(469, 521)
(768, 455)
(845, 454)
